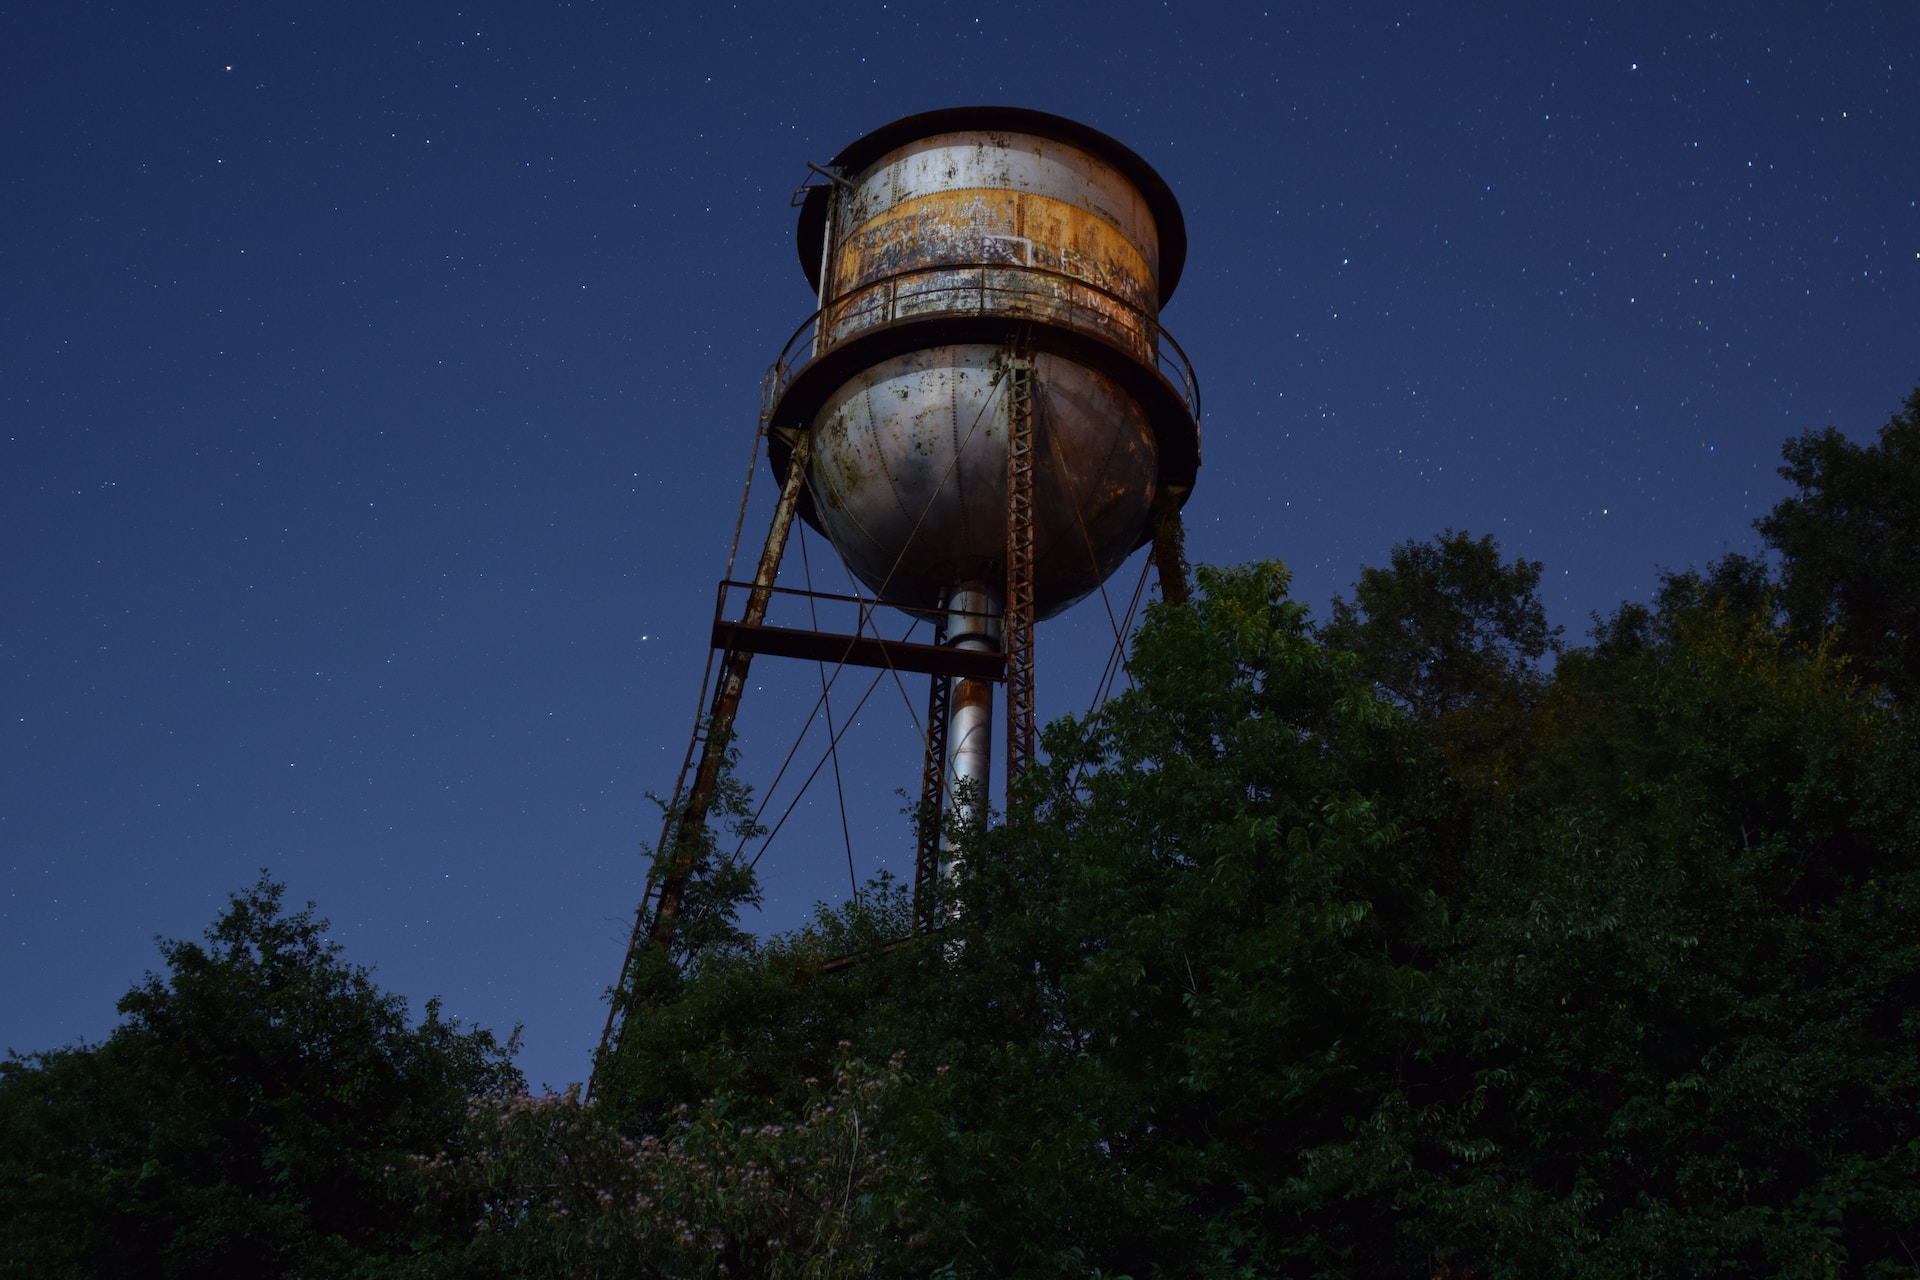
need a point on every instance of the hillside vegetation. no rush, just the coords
(1414, 942)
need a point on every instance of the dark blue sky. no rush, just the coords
(376, 383)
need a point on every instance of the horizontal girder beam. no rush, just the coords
(858, 651)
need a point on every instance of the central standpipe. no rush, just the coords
(973, 622)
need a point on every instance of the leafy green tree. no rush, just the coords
(1446, 623)
(1365, 951)
(1453, 633)
(1251, 983)
(549, 1187)
(1101, 1043)
(706, 933)
(241, 1121)
(1686, 966)
(1742, 582)
(1847, 541)
(1185, 965)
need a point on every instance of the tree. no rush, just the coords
(1684, 967)
(717, 886)
(1448, 622)
(1102, 1047)
(1249, 986)
(556, 1188)
(243, 1118)
(1847, 541)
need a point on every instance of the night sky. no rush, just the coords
(377, 384)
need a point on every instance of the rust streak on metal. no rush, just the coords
(1004, 228)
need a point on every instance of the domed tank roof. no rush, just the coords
(855, 156)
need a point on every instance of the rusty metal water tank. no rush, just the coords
(944, 246)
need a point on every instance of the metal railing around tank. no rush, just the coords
(991, 289)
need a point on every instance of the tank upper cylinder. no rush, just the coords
(972, 202)
(996, 127)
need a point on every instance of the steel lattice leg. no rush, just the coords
(1018, 641)
(933, 775)
(726, 704)
(1170, 548)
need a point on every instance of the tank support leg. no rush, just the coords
(685, 834)
(1170, 548)
(974, 612)
(933, 778)
(1021, 412)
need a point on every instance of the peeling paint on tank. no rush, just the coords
(973, 228)
(950, 199)
(966, 249)
(1020, 163)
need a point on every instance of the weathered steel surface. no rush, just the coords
(1007, 294)
(1073, 207)
(1171, 411)
(996, 228)
(909, 478)
(998, 123)
(1008, 223)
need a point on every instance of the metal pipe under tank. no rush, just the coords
(973, 622)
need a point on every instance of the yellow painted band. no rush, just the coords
(956, 226)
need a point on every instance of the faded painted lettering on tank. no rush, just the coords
(1010, 253)
(945, 225)
(975, 227)
(1010, 162)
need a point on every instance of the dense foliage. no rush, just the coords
(1847, 539)
(1372, 948)
(1377, 949)
(1271, 975)
(1446, 624)
(240, 1121)
(546, 1186)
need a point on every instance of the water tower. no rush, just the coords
(983, 416)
